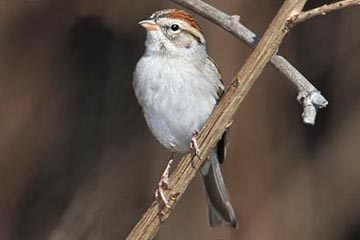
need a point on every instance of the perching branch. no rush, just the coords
(308, 96)
(323, 10)
(223, 114)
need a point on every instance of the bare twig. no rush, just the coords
(150, 222)
(307, 92)
(323, 10)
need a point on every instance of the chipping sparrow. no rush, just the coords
(178, 86)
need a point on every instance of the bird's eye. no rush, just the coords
(174, 27)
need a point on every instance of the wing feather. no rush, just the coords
(222, 144)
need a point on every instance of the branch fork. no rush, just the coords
(322, 11)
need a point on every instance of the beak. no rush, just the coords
(149, 25)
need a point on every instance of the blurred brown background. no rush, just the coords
(78, 162)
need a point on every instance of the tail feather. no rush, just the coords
(220, 209)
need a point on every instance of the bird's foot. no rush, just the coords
(194, 144)
(163, 184)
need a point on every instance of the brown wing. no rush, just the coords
(222, 144)
(221, 88)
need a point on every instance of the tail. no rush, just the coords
(220, 210)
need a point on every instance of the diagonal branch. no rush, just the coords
(309, 96)
(323, 10)
(150, 222)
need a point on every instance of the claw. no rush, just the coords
(194, 144)
(163, 184)
(160, 192)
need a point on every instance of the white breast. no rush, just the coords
(177, 98)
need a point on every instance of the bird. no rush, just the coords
(178, 86)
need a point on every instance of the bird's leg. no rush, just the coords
(194, 144)
(163, 184)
